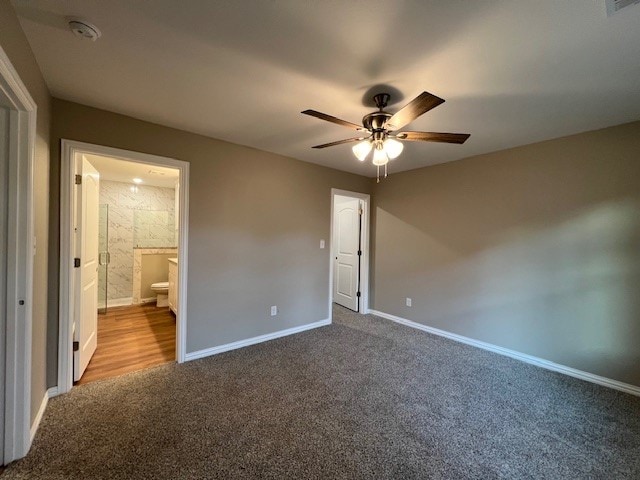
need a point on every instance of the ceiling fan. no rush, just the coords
(380, 130)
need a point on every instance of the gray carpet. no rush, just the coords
(362, 398)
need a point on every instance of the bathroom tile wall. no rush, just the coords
(142, 218)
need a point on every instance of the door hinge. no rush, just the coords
(76, 346)
(76, 263)
(358, 294)
(78, 179)
(359, 252)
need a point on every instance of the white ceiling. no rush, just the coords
(511, 73)
(123, 171)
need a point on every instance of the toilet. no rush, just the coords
(161, 289)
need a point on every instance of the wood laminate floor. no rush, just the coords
(132, 338)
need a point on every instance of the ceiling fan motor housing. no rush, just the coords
(375, 121)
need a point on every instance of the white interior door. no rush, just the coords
(86, 290)
(346, 272)
(4, 167)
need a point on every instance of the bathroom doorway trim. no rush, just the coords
(69, 150)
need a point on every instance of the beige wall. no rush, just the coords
(536, 249)
(255, 224)
(15, 45)
(155, 268)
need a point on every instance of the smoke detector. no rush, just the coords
(82, 28)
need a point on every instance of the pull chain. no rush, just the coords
(378, 174)
(385, 170)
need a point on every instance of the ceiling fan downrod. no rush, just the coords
(381, 100)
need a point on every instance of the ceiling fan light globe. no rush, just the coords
(361, 150)
(393, 148)
(380, 157)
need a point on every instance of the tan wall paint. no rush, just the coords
(155, 268)
(536, 249)
(255, 224)
(15, 45)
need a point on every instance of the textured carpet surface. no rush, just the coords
(362, 398)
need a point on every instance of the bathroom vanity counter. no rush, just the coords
(173, 285)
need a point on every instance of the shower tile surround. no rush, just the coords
(144, 218)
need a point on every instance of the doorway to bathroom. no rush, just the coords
(123, 262)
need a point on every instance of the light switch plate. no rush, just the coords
(321, 243)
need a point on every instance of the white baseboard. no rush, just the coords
(126, 301)
(252, 341)
(120, 302)
(52, 392)
(540, 362)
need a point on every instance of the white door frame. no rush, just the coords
(364, 263)
(22, 135)
(69, 150)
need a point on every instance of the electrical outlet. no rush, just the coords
(274, 310)
(408, 302)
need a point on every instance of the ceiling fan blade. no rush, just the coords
(332, 119)
(412, 110)
(433, 137)
(339, 142)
